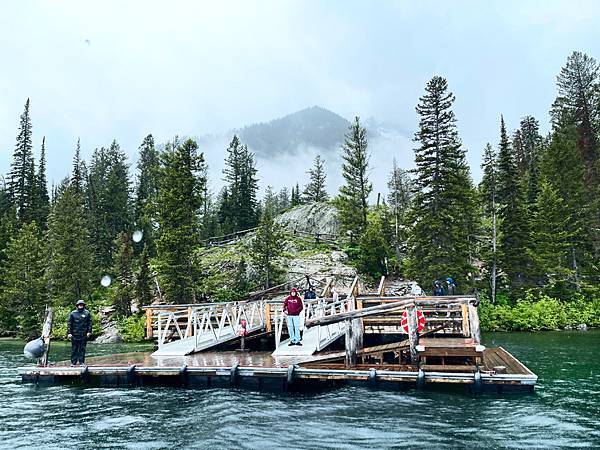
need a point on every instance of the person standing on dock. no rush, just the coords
(79, 329)
(292, 307)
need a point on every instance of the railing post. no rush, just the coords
(149, 328)
(464, 310)
(268, 317)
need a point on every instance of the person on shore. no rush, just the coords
(438, 290)
(292, 307)
(451, 289)
(79, 329)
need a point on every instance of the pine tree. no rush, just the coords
(443, 209)
(21, 178)
(123, 268)
(399, 199)
(143, 282)
(225, 212)
(147, 191)
(266, 248)
(488, 189)
(110, 211)
(41, 202)
(69, 248)
(77, 173)
(283, 199)
(242, 185)
(373, 245)
(315, 190)
(577, 101)
(295, 200)
(513, 227)
(532, 148)
(247, 203)
(563, 167)
(23, 294)
(354, 194)
(550, 236)
(270, 201)
(179, 199)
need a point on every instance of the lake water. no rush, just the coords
(564, 411)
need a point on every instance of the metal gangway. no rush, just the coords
(314, 339)
(207, 325)
(185, 329)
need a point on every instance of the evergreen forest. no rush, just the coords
(526, 238)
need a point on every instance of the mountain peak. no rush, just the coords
(312, 127)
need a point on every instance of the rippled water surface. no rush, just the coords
(564, 412)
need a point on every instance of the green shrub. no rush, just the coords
(539, 313)
(132, 328)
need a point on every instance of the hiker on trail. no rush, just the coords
(79, 329)
(292, 307)
(451, 290)
(438, 289)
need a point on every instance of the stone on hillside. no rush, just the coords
(313, 218)
(323, 266)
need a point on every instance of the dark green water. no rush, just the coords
(564, 412)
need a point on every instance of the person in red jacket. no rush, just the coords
(292, 307)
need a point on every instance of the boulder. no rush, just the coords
(313, 218)
(110, 334)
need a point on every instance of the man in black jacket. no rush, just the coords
(79, 329)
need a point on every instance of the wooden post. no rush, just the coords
(381, 289)
(267, 317)
(350, 345)
(413, 336)
(474, 321)
(465, 320)
(46, 332)
(149, 328)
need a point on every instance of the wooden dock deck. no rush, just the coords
(434, 341)
(260, 370)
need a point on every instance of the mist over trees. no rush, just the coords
(530, 228)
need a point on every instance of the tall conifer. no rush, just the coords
(315, 190)
(21, 179)
(354, 193)
(443, 209)
(514, 227)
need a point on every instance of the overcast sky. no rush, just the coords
(104, 70)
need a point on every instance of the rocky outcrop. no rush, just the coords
(323, 266)
(110, 332)
(312, 218)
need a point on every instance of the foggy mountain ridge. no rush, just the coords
(286, 147)
(314, 127)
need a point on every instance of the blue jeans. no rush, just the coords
(293, 323)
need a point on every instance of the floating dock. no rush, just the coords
(373, 340)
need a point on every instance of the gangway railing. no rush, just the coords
(209, 323)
